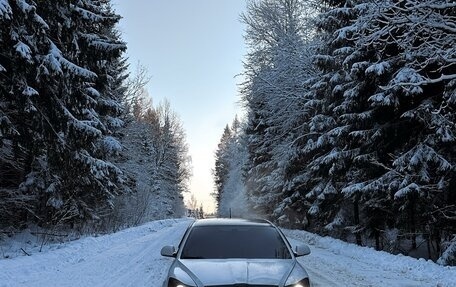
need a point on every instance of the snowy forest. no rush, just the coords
(350, 123)
(81, 145)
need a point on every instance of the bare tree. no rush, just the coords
(136, 99)
(192, 203)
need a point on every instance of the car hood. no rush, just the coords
(236, 271)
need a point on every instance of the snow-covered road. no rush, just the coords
(127, 258)
(132, 258)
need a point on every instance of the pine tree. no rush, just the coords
(57, 88)
(386, 86)
(169, 151)
(15, 62)
(276, 69)
(362, 142)
(233, 198)
(221, 169)
(411, 44)
(317, 171)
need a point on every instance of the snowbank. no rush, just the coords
(368, 265)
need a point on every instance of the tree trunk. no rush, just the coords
(437, 241)
(428, 244)
(377, 240)
(413, 221)
(356, 217)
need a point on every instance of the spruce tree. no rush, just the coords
(276, 69)
(59, 104)
(410, 44)
(221, 169)
(233, 199)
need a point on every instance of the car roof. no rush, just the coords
(231, 221)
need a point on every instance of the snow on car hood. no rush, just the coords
(238, 271)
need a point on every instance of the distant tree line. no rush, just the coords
(231, 157)
(67, 105)
(350, 127)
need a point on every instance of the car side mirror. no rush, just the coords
(301, 250)
(168, 251)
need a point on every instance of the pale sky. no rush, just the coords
(193, 50)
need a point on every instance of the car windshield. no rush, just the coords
(224, 242)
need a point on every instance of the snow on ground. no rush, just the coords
(132, 258)
(333, 262)
(128, 258)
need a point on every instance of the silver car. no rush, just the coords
(237, 253)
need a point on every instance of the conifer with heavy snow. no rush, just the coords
(359, 144)
(230, 162)
(222, 167)
(65, 96)
(59, 107)
(277, 68)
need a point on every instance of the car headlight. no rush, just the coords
(176, 283)
(303, 283)
(298, 277)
